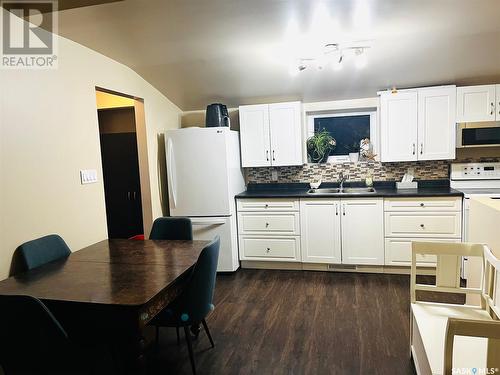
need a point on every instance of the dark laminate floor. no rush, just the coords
(298, 322)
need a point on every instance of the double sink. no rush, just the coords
(342, 191)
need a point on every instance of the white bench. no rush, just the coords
(455, 339)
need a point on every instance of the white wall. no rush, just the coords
(48, 132)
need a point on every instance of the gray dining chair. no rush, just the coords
(36, 253)
(172, 228)
(33, 341)
(195, 302)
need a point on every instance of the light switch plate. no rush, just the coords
(88, 176)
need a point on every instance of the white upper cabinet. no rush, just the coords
(286, 133)
(477, 103)
(436, 123)
(418, 124)
(363, 231)
(398, 128)
(320, 230)
(271, 134)
(254, 136)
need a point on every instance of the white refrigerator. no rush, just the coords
(204, 174)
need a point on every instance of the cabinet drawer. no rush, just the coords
(268, 204)
(280, 248)
(278, 223)
(398, 252)
(424, 205)
(413, 224)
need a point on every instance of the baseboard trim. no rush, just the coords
(395, 270)
(271, 265)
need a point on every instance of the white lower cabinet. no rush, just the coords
(363, 231)
(320, 230)
(427, 219)
(423, 224)
(282, 248)
(398, 251)
(268, 230)
(348, 231)
(269, 223)
(354, 231)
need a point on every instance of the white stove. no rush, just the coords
(474, 179)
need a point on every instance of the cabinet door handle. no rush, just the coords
(422, 226)
(135, 193)
(421, 148)
(268, 250)
(273, 156)
(128, 195)
(492, 108)
(267, 225)
(336, 209)
(343, 209)
(267, 155)
(413, 148)
(499, 108)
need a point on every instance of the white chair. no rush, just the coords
(453, 339)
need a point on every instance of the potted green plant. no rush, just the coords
(319, 146)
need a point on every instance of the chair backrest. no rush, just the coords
(172, 228)
(485, 329)
(491, 283)
(31, 337)
(43, 250)
(448, 265)
(198, 295)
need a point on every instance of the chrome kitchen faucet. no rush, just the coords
(342, 179)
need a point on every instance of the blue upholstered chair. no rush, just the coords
(43, 250)
(195, 302)
(33, 341)
(172, 228)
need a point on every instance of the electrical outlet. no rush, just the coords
(274, 175)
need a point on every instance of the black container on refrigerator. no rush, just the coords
(217, 115)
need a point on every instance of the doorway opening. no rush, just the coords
(122, 135)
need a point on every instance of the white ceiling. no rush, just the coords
(201, 51)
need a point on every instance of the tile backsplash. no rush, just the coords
(424, 170)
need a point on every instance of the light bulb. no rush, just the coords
(295, 69)
(338, 64)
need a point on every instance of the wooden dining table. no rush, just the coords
(109, 291)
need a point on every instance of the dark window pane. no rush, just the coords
(347, 130)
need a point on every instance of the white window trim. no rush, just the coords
(373, 124)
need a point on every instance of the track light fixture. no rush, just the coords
(334, 54)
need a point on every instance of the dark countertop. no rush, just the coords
(434, 188)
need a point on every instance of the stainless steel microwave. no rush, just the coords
(478, 134)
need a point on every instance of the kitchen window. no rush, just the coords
(348, 129)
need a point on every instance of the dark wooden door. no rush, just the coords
(120, 163)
